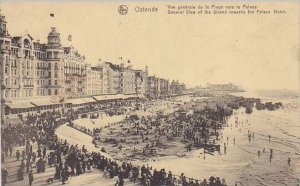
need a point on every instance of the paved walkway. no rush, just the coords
(95, 177)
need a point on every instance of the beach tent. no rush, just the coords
(134, 118)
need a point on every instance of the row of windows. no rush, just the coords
(29, 92)
(44, 82)
(45, 92)
(15, 93)
(45, 73)
(15, 82)
(39, 55)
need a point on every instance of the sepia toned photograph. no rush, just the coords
(150, 93)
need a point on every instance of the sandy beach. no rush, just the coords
(241, 163)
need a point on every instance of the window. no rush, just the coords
(55, 82)
(49, 82)
(55, 92)
(49, 55)
(55, 55)
(49, 92)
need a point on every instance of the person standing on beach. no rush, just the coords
(289, 161)
(234, 141)
(269, 138)
(258, 153)
(271, 151)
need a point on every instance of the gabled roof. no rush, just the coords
(28, 36)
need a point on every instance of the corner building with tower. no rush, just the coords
(38, 77)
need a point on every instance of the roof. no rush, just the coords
(19, 105)
(89, 100)
(76, 101)
(116, 96)
(43, 102)
(113, 66)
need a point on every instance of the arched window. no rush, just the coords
(26, 43)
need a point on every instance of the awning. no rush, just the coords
(114, 97)
(130, 96)
(75, 101)
(108, 97)
(40, 103)
(19, 105)
(89, 100)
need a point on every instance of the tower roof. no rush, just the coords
(2, 18)
(53, 33)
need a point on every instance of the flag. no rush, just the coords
(70, 37)
(128, 61)
(52, 15)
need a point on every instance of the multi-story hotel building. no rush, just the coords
(163, 88)
(177, 88)
(48, 74)
(32, 70)
(39, 76)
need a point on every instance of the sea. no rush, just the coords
(247, 159)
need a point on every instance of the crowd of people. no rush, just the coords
(41, 148)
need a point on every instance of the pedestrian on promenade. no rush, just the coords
(4, 174)
(30, 178)
(18, 155)
(10, 150)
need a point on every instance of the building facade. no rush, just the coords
(177, 88)
(39, 76)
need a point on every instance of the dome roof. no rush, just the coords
(2, 18)
(53, 33)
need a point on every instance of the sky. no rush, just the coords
(252, 51)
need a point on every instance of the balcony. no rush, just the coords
(28, 86)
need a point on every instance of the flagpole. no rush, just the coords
(52, 21)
